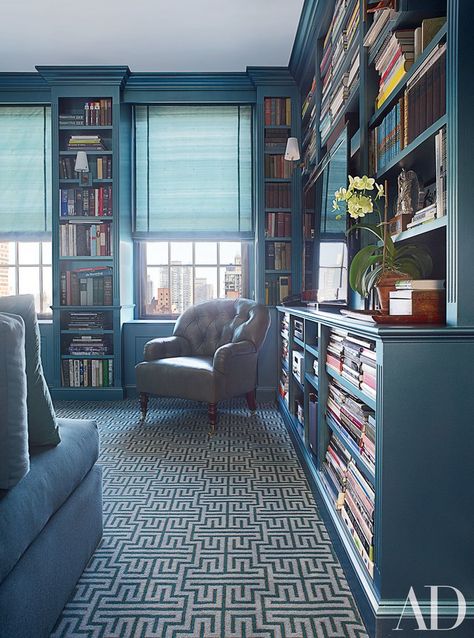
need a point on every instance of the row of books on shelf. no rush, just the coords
(86, 143)
(335, 99)
(275, 138)
(277, 196)
(277, 255)
(87, 373)
(353, 497)
(337, 42)
(421, 105)
(88, 202)
(103, 168)
(354, 358)
(86, 287)
(89, 345)
(94, 113)
(278, 225)
(276, 167)
(276, 289)
(356, 421)
(79, 239)
(283, 385)
(86, 320)
(277, 111)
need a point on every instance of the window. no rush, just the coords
(25, 267)
(193, 171)
(332, 271)
(178, 274)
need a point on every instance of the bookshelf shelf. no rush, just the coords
(380, 112)
(278, 180)
(297, 382)
(312, 350)
(88, 331)
(84, 127)
(421, 230)
(300, 342)
(312, 379)
(277, 238)
(100, 258)
(76, 182)
(88, 151)
(278, 272)
(91, 219)
(415, 146)
(87, 356)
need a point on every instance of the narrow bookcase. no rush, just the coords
(91, 292)
(277, 198)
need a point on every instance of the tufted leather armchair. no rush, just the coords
(211, 356)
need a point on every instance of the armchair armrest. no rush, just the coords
(226, 355)
(164, 347)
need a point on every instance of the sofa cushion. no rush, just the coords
(42, 426)
(54, 474)
(14, 459)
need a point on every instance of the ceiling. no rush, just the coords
(148, 35)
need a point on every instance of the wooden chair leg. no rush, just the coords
(251, 401)
(212, 415)
(143, 405)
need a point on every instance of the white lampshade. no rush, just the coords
(81, 165)
(292, 152)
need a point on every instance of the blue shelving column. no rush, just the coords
(91, 231)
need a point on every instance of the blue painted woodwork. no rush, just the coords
(423, 531)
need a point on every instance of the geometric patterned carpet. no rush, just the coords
(205, 538)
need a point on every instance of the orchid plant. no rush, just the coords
(364, 196)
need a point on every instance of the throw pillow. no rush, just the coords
(42, 426)
(14, 459)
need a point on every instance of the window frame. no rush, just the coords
(143, 265)
(41, 265)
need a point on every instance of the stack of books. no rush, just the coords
(85, 321)
(278, 225)
(278, 255)
(276, 289)
(71, 119)
(277, 111)
(86, 286)
(357, 512)
(423, 300)
(98, 113)
(89, 202)
(335, 350)
(103, 168)
(384, 15)
(393, 60)
(353, 497)
(275, 138)
(368, 369)
(423, 216)
(85, 143)
(277, 196)
(336, 88)
(89, 344)
(352, 418)
(87, 373)
(91, 240)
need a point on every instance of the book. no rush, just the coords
(419, 284)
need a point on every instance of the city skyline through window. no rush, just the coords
(25, 268)
(180, 274)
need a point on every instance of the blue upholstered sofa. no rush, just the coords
(50, 487)
(50, 524)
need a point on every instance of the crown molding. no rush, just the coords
(95, 75)
(270, 76)
(189, 81)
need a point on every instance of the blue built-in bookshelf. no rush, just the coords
(416, 489)
(92, 292)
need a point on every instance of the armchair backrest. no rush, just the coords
(209, 325)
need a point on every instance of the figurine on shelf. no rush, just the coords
(408, 193)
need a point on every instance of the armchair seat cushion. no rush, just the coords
(191, 378)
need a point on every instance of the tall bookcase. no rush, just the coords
(92, 255)
(277, 187)
(413, 121)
